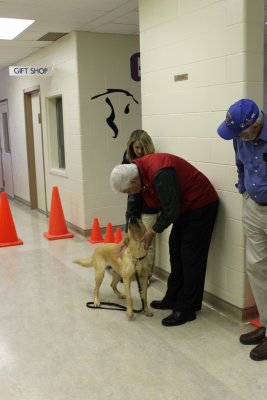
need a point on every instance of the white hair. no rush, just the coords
(121, 177)
(259, 120)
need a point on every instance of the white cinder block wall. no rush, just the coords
(104, 63)
(219, 44)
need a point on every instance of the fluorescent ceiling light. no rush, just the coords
(12, 27)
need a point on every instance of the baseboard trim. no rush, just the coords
(73, 227)
(22, 201)
(242, 315)
(87, 232)
(229, 310)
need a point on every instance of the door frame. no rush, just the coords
(5, 101)
(30, 147)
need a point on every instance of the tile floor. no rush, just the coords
(52, 347)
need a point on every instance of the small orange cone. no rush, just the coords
(57, 224)
(109, 237)
(118, 236)
(255, 322)
(8, 234)
(96, 235)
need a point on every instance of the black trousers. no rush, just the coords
(189, 243)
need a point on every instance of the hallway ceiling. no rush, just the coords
(64, 16)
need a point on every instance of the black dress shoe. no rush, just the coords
(179, 318)
(161, 305)
(259, 353)
(254, 337)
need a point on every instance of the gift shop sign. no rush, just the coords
(30, 71)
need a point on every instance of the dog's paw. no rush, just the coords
(130, 315)
(148, 313)
(97, 304)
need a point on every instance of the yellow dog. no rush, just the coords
(126, 261)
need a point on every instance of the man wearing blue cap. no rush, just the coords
(246, 124)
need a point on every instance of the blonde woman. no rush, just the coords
(139, 145)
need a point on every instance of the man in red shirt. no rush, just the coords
(187, 200)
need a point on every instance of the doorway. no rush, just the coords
(35, 149)
(6, 173)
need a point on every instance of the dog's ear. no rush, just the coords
(126, 240)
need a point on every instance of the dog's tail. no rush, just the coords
(84, 262)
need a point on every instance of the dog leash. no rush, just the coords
(119, 307)
(110, 306)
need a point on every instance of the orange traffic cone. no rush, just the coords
(118, 236)
(96, 235)
(255, 322)
(8, 234)
(109, 237)
(57, 224)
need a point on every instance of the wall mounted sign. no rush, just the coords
(30, 71)
(135, 67)
(181, 77)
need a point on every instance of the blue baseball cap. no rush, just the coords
(240, 116)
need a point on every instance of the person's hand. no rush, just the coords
(147, 238)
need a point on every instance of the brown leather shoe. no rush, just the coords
(253, 337)
(259, 353)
